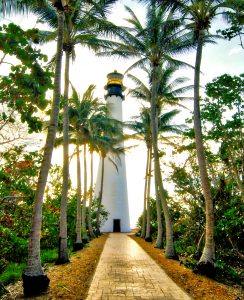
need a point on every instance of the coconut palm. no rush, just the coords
(108, 148)
(12, 6)
(105, 136)
(200, 14)
(34, 280)
(97, 122)
(169, 93)
(85, 113)
(80, 27)
(157, 42)
(89, 219)
(142, 126)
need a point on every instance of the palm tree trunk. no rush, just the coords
(206, 262)
(83, 217)
(91, 233)
(170, 249)
(100, 199)
(143, 227)
(34, 280)
(148, 237)
(78, 243)
(159, 242)
(63, 248)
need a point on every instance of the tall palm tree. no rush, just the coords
(34, 280)
(80, 27)
(97, 122)
(142, 127)
(161, 38)
(89, 219)
(84, 114)
(200, 14)
(109, 135)
(169, 93)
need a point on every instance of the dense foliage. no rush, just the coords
(24, 88)
(18, 170)
(222, 115)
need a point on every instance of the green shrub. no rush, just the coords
(190, 263)
(224, 271)
(49, 256)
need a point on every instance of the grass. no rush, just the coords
(13, 271)
(68, 281)
(49, 256)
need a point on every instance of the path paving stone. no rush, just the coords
(125, 271)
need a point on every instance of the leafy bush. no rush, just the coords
(190, 263)
(14, 248)
(226, 272)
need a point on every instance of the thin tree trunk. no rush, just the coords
(143, 226)
(236, 176)
(148, 227)
(78, 244)
(206, 262)
(83, 217)
(63, 256)
(170, 249)
(90, 201)
(34, 280)
(231, 165)
(100, 199)
(241, 256)
(159, 242)
(200, 240)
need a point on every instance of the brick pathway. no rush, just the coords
(125, 271)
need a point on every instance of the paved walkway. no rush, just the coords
(125, 271)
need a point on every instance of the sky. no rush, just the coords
(224, 57)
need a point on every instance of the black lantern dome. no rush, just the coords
(115, 84)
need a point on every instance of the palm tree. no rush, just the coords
(142, 127)
(96, 123)
(85, 113)
(12, 6)
(89, 219)
(161, 38)
(34, 280)
(80, 27)
(168, 92)
(200, 14)
(109, 135)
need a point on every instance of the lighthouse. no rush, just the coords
(115, 197)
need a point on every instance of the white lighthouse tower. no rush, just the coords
(115, 198)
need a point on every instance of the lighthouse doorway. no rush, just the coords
(116, 225)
